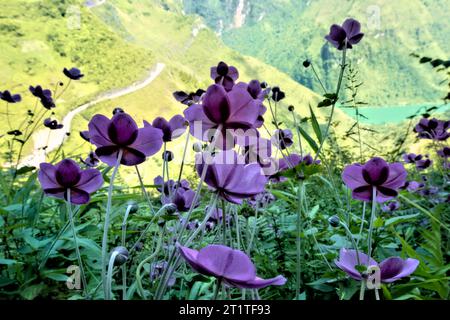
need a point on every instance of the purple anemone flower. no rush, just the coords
(230, 177)
(224, 75)
(277, 94)
(121, 133)
(231, 266)
(283, 138)
(433, 129)
(52, 124)
(413, 186)
(171, 129)
(92, 160)
(391, 269)
(412, 157)
(188, 99)
(255, 148)
(387, 178)
(217, 216)
(181, 198)
(423, 164)
(38, 92)
(348, 34)
(47, 102)
(444, 152)
(170, 185)
(391, 206)
(57, 180)
(9, 97)
(231, 110)
(85, 135)
(73, 73)
(256, 91)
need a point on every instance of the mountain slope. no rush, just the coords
(285, 32)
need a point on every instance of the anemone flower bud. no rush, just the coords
(197, 147)
(122, 255)
(306, 63)
(334, 221)
(134, 207)
(118, 110)
(167, 156)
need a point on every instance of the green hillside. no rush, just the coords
(285, 32)
(116, 45)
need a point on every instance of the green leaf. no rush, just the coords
(401, 219)
(24, 170)
(302, 171)
(31, 292)
(315, 125)
(308, 139)
(8, 262)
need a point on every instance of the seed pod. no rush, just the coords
(334, 221)
(122, 255)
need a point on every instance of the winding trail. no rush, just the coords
(57, 137)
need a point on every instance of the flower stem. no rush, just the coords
(338, 89)
(143, 262)
(124, 266)
(224, 223)
(141, 182)
(362, 289)
(372, 218)
(217, 289)
(107, 218)
(77, 247)
(298, 240)
(109, 274)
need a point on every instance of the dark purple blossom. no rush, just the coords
(231, 110)
(52, 124)
(444, 152)
(229, 176)
(391, 206)
(9, 97)
(348, 34)
(188, 99)
(283, 138)
(121, 133)
(423, 164)
(171, 129)
(433, 129)
(170, 185)
(181, 198)
(57, 180)
(224, 75)
(387, 178)
(231, 266)
(257, 93)
(412, 157)
(277, 94)
(92, 160)
(391, 269)
(38, 92)
(412, 186)
(85, 135)
(73, 73)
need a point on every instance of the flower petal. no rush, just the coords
(394, 268)
(90, 181)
